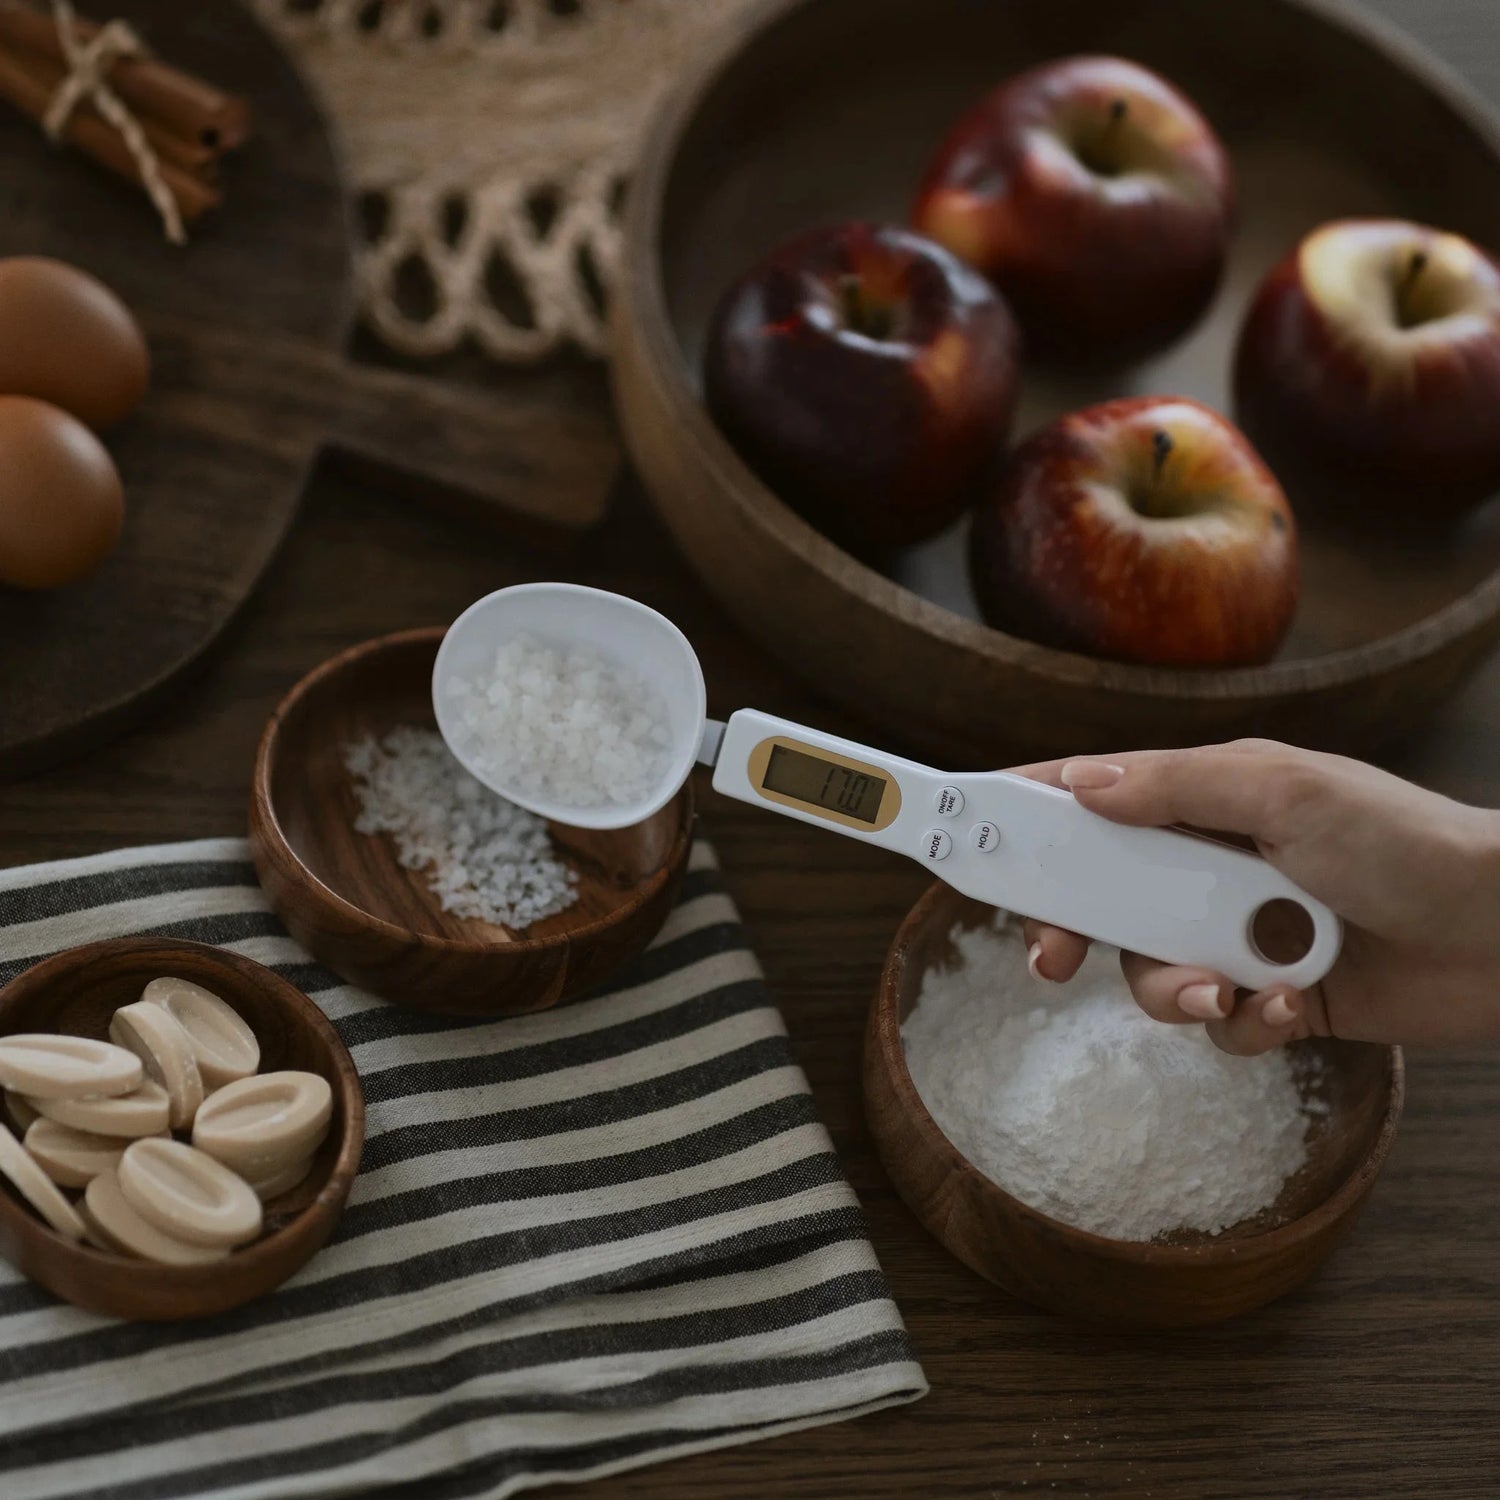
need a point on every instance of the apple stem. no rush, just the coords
(1161, 449)
(1414, 268)
(873, 321)
(1099, 149)
(849, 291)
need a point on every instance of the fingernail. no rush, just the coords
(1033, 953)
(1090, 775)
(1279, 1011)
(1201, 1001)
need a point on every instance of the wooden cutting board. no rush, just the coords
(249, 326)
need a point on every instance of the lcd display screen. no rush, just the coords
(824, 783)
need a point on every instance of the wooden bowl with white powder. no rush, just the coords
(393, 867)
(1092, 1114)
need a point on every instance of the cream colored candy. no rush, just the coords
(37, 1187)
(120, 1224)
(145, 1112)
(95, 1233)
(43, 1066)
(224, 1046)
(261, 1124)
(20, 1114)
(186, 1194)
(283, 1180)
(72, 1158)
(156, 1037)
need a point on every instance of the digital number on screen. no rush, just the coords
(824, 784)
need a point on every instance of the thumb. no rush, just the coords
(1224, 787)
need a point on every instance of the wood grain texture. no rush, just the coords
(249, 327)
(1376, 1380)
(1195, 1279)
(827, 109)
(347, 900)
(78, 992)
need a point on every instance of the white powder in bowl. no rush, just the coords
(563, 723)
(1077, 1103)
(484, 857)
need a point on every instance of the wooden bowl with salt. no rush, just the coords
(347, 899)
(77, 992)
(1182, 1279)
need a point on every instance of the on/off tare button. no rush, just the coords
(985, 837)
(949, 802)
(936, 844)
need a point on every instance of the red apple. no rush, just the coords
(1146, 530)
(1373, 350)
(1098, 200)
(869, 377)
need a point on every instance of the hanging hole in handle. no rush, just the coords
(1282, 931)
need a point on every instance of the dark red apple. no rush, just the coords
(1098, 200)
(869, 378)
(1145, 530)
(1373, 350)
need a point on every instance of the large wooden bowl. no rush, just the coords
(78, 991)
(1197, 1278)
(345, 897)
(815, 110)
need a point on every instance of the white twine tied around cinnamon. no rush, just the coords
(88, 83)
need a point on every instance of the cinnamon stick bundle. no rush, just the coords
(152, 90)
(31, 89)
(187, 124)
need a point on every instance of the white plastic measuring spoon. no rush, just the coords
(640, 639)
(1002, 839)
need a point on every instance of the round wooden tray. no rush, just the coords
(249, 326)
(211, 485)
(816, 110)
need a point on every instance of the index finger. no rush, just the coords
(1050, 771)
(1213, 787)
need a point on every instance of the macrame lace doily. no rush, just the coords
(490, 142)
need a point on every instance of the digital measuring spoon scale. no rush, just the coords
(1002, 839)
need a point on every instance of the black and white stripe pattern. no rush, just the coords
(580, 1241)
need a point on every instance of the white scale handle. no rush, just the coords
(1031, 849)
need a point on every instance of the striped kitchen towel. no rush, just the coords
(579, 1241)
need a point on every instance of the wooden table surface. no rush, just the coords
(1380, 1379)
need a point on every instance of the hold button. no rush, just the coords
(985, 837)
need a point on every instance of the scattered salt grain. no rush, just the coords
(484, 857)
(1080, 1105)
(563, 723)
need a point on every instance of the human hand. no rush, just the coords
(1415, 876)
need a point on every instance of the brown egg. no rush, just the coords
(66, 338)
(61, 506)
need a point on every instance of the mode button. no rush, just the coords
(936, 844)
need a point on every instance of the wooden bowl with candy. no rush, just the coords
(1179, 1279)
(347, 898)
(77, 994)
